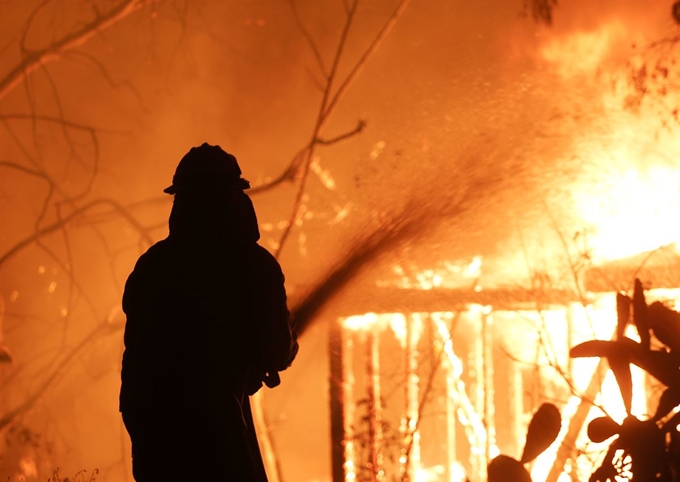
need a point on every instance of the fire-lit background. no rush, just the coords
(463, 188)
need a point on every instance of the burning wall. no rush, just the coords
(435, 396)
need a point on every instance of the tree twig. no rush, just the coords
(9, 416)
(35, 59)
(361, 124)
(310, 40)
(23, 243)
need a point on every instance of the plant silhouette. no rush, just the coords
(644, 450)
(543, 430)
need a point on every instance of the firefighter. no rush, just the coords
(207, 326)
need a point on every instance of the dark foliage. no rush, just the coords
(541, 11)
(543, 430)
(643, 450)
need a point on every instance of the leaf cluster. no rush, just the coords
(648, 449)
(543, 429)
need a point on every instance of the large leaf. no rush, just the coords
(601, 428)
(665, 323)
(661, 364)
(640, 315)
(543, 429)
(617, 353)
(506, 469)
(620, 366)
(596, 348)
(623, 302)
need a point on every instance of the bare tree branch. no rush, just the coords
(57, 369)
(35, 59)
(116, 207)
(289, 175)
(56, 120)
(27, 170)
(101, 69)
(372, 49)
(357, 130)
(298, 167)
(310, 40)
(329, 102)
(321, 119)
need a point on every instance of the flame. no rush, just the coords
(632, 212)
(583, 52)
(448, 274)
(627, 196)
(361, 322)
(602, 314)
(28, 467)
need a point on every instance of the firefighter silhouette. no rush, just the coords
(207, 326)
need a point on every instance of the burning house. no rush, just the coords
(437, 390)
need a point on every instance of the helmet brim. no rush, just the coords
(241, 184)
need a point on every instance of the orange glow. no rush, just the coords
(583, 52)
(632, 212)
(597, 320)
(465, 144)
(627, 197)
(408, 330)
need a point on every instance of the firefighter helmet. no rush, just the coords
(206, 169)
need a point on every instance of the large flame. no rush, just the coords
(634, 211)
(582, 52)
(628, 194)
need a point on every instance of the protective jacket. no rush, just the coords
(204, 323)
(207, 324)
